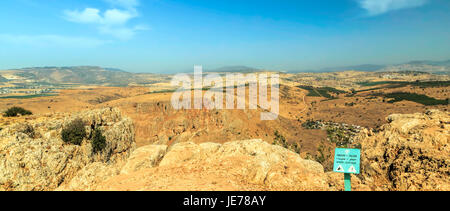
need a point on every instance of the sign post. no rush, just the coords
(347, 161)
(348, 182)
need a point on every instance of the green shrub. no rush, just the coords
(418, 98)
(74, 133)
(321, 158)
(350, 104)
(321, 91)
(311, 124)
(280, 140)
(341, 137)
(14, 111)
(29, 130)
(98, 141)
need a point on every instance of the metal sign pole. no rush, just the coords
(347, 161)
(348, 182)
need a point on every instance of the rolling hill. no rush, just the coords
(437, 67)
(2, 79)
(234, 69)
(77, 74)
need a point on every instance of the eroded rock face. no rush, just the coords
(412, 152)
(87, 178)
(144, 157)
(237, 165)
(33, 156)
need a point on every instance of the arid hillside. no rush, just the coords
(411, 152)
(312, 121)
(35, 156)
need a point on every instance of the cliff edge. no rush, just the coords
(411, 152)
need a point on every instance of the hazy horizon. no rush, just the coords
(212, 68)
(172, 36)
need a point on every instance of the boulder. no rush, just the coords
(236, 165)
(410, 153)
(34, 157)
(144, 157)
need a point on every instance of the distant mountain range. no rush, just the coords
(439, 67)
(427, 62)
(2, 79)
(117, 77)
(77, 74)
(364, 67)
(95, 75)
(234, 69)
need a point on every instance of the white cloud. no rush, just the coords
(130, 4)
(377, 7)
(92, 15)
(51, 41)
(113, 21)
(88, 15)
(124, 33)
(119, 17)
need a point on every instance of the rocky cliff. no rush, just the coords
(409, 153)
(237, 165)
(33, 156)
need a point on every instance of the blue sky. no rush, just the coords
(168, 35)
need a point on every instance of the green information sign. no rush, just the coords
(347, 161)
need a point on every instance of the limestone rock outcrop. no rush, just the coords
(34, 157)
(410, 153)
(237, 165)
(87, 178)
(144, 157)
